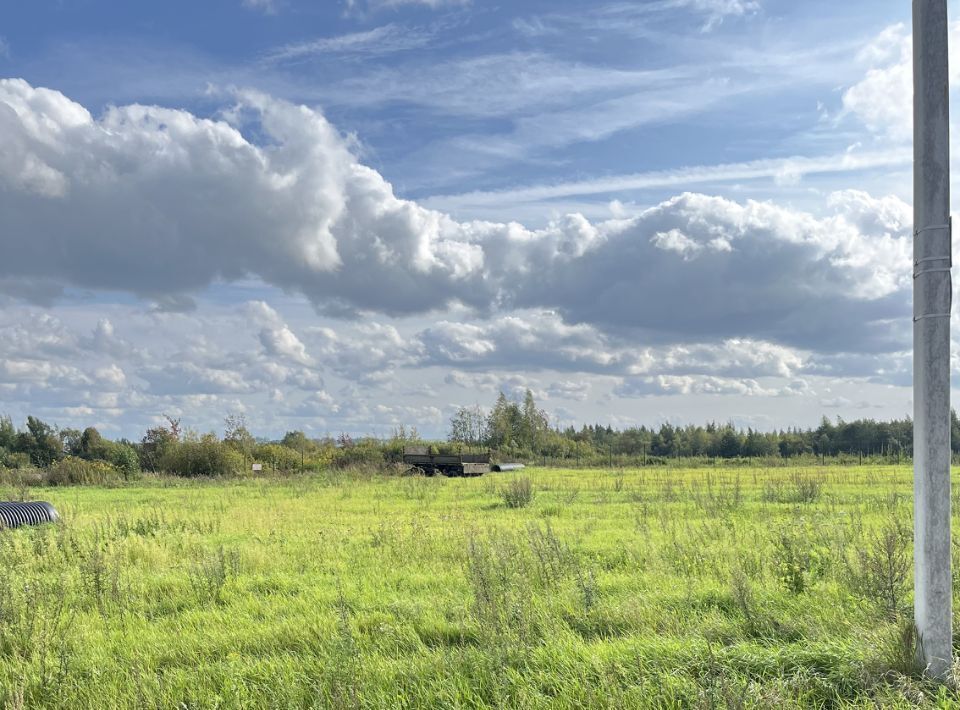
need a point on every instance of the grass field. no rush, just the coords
(652, 588)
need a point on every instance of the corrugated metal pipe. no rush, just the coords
(14, 515)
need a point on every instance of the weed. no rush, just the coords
(361, 591)
(879, 570)
(211, 573)
(100, 577)
(518, 493)
(797, 563)
(501, 591)
(553, 558)
(345, 691)
(807, 488)
(587, 585)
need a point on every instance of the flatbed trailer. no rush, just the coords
(446, 464)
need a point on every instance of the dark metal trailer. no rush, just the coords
(419, 458)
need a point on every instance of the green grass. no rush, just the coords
(651, 588)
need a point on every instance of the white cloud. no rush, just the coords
(676, 241)
(386, 39)
(276, 337)
(634, 17)
(488, 382)
(567, 389)
(846, 162)
(716, 11)
(882, 100)
(160, 203)
(702, 384)
(266, 6)
(373, 5)
(112, 377)
(39, 372)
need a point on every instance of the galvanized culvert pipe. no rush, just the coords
(14, 515)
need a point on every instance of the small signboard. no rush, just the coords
(258, 467)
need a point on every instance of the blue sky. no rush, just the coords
(351, 215)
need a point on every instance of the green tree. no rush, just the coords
(502, 423)
(731, 443)
(157, 447)
(8, 433)
(40, 442)
(237, 436)
(93, 445)
(533, 424)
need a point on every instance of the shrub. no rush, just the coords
(278, 457)
(806, 488)
(206, 456)
(879, 569)
(124, 458)
(797, 561)
(76, 471)
(518, 493)
(157, 445)
(15, 459)
(350, 456)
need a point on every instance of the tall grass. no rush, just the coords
(648, 588)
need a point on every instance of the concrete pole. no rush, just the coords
(931, 336)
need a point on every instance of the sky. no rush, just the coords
(349, 216)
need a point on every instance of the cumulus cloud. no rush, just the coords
(510, 384)
(160, 203)
(567, 389)
(882, 100)
(689, 384)
(276, 337)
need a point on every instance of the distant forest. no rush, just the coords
(522, 428)
(511, 429)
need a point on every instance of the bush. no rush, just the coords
(350, 456)
(278, 457)
(124, 457)
(879, 568)
(76, 471)
(518, 493)
(206, 456)
(15, 459)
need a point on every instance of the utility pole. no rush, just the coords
(931, 337)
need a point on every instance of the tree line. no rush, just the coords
(523, 429)
(512, 429)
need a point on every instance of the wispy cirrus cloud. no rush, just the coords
(364, 6)
(386, 39)
(268, 7)
(682, 178)
(633, 18)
